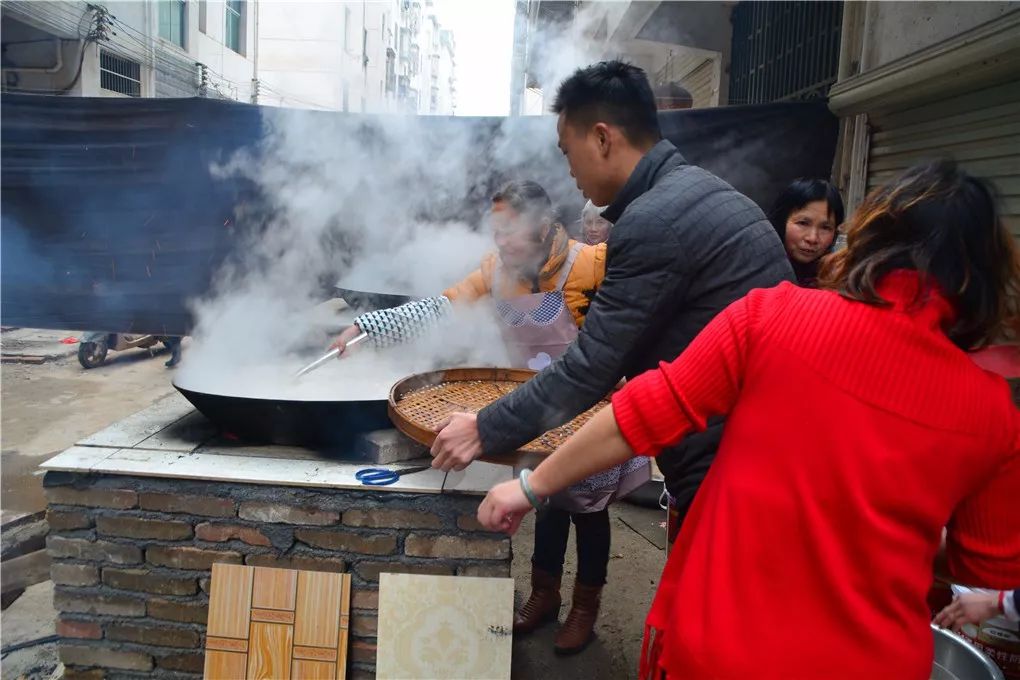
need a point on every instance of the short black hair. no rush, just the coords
(613, 92)
(801, 192)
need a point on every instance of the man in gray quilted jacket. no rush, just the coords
(684, 245)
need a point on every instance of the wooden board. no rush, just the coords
(313, 670)
(274, 589)
(223, 665)
(318, 609)
(234, 597)
(277, 624)
(270, 651)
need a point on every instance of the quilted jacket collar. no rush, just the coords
(659, 160)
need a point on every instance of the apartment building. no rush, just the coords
(342, 55)
(136, 48)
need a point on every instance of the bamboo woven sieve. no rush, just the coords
(420, 402)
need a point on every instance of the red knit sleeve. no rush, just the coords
(983, 536)
(658, 408)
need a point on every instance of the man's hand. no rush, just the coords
(458, 442)
(969, 608)
(504, 507)
(349, 334)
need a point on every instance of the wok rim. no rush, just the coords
(274, 400)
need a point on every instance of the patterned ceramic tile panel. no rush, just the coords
(444, 627)
(277, 624)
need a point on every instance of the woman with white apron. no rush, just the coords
(542, 283)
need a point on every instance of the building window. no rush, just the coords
(391, 70)
(203, 16)
(404, 46)
(118, 74)
(347, 29)
(233, 33)
(415, 59)
(784, 51)
(172, 21)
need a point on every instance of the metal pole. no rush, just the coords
(255, 58)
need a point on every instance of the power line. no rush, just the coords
(164, 58)
(290, 97)
(145, 44)
(72, 17)
(158, 58)
(140, 51)
(143, 37)
(130, 42)
(164, 68)
(62, 18)
(140, 38)
(95, 34)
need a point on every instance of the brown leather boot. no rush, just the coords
(579, 628)
(543, 604)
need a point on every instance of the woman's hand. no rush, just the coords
(968, 608)
(504, 507)
(349, 334)
(598, 445)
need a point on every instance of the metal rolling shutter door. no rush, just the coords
(699, 83)
(980, 130)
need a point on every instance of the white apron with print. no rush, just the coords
(538, 328)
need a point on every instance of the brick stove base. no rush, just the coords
(132, 558)
(140, 511)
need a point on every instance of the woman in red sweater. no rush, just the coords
(808, 550)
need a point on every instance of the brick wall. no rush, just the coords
(132, 559)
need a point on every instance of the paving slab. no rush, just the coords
(30, 618)
(34, 345)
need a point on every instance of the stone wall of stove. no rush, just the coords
(132, 559)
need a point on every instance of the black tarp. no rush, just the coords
(112, 217)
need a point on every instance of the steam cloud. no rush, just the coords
(378, 203)
(386, 204)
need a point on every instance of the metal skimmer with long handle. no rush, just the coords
(332, 354)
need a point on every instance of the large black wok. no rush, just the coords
(323, 425)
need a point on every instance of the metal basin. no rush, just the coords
(957, 659)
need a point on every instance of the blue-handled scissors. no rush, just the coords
(384, 477)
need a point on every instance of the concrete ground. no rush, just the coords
(30, 619)
(634, 568)
(47, 403)
(47, 407)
